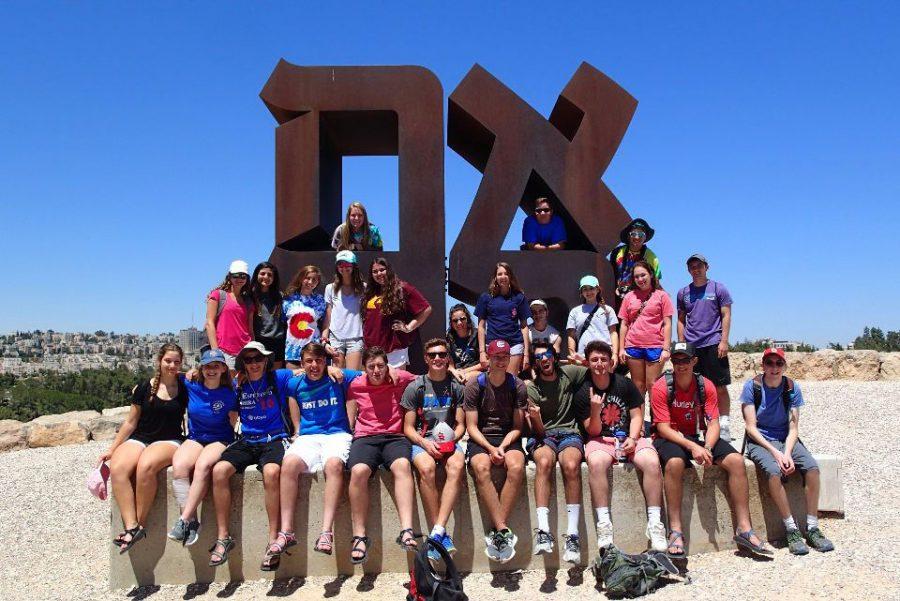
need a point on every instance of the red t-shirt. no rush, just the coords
(379, 406)
(682, 414)
(377, 327)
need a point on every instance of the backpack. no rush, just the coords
(630, 575)
(670, 394)
(425, 584)
(787, 389)
(510, 381)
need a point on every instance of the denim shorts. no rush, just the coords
(347, 345)
(417, 450)
(650, 355)
(557, 441)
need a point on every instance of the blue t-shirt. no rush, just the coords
(323, 408)
(207, 412)
(504, 315)
(771, 419)
(263, 407)
(537, 233)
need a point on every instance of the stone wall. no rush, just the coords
(61, 429)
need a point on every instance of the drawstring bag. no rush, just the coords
(96, 480)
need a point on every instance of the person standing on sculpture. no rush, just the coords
(592, 320)
(356, 233)
(229, 313)
(343, 332)
(303, 310)
(503, 315)
(543, 230)
(645, 319)
(704, 320)
(634, 238)
(268, 327)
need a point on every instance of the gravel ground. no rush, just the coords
(54, 539)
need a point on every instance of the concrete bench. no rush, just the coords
(707, 526)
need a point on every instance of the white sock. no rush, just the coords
(543, 518)
(812, 521)
(573, 513)
(181, 486)
(438, 531)
(789, 523)
(653, 513)
(603, 515)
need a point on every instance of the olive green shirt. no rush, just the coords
(554, 398)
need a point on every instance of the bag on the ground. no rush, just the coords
(630, 575)
(425, 584)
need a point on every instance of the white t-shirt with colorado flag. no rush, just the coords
(301, 313)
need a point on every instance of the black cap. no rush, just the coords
(683, 348)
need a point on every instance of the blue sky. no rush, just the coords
(136, 159)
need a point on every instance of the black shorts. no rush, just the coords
(473, 448)
(242, 454)
(379, 450)
(711, 367)
(669, 450)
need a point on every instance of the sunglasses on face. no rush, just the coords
(253, 359)
(238, 276)
(542, 210)
(343, 264)
(437, 355)
(681, 360)
(545, 355)
(637, 234)
(459, 319)
(774, 363)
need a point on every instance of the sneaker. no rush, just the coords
(508, 549)
(796, 544)
(490, 545)
(725, 428)
(656, 532)
(543, 542)
(573, 549)
(178, 531)
(433, 555)
(448, 544)
(604, 534)
(818, 541)
(192, 534)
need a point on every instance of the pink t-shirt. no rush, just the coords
(379, 406)
(233, 324)
(645, 326)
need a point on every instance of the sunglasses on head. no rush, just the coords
(548, 354)
(437, 354)
(459, 319)
(253, 359)
(238, 276)
(773, 363)
(544, 210)
(680, 360)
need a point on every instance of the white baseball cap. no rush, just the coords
(239, 266)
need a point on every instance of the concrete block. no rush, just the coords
(12, 435)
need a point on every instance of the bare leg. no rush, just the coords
(724, 400)
(222, 473)
(648, 462)
(598, 465)
(427, 468)
(122, 467)
(490, 501)
(779, 496)
(739, 492)
(184, 459)
(812, 492)
(359, 497)
(515, 365)
(200, 483)
(651, 372)
(354, 360)
(674, 483)
(515, 474)
(271, 484)
(638, 370)
(544, 462)
(334, 479)
(155, 457)
(291, 468)
(455, 466)
(570, 464)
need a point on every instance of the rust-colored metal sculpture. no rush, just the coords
(523, 156)
(325, 113)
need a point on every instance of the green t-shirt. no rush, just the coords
(554, 398)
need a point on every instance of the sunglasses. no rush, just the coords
(342, 264)
(459, 319)
(238, 276)
(543, 210)
(544, 355)
(773, 363)
(637, 234)
(437, 355)
(253, 359)
(681, 360)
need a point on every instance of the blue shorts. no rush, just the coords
(650, 355)
(416, 449)
(557, 441)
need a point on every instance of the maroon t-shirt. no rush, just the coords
(377, 330)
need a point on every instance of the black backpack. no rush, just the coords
(425, 584)
(787, 389)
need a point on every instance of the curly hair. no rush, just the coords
(392, 297)
(296, 284)
(494, 287)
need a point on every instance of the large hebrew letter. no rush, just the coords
(325, 113)
(523, 156)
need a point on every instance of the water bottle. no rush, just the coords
(621, 435)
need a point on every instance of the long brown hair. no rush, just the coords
(391, 293)
(347, 229)
(356, 281)
(654, 282)
(514, 287)
(226, 286)
(169, 347)
(274, 291)
(296, 284)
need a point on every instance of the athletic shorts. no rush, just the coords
(711, 367)
(473, 448)
(607, 444)
(379, 450)
(204, 443)
(557, 441)
(242, 454)
(347, 345)
(650, 355)
(417, 450)
(669, 450)
(145, 442)
(764, 460)
(398, 358)
(315, 449)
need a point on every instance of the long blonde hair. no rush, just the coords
(347, 230)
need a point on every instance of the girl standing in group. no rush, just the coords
(212, 414)
(503, 315)
(356, 233)
(392, 311)
(462, 338)
(592, 320)
(646, 318)
(229, 313)
(343, 332)
(146, 443)
(268, 327)
(302, 311)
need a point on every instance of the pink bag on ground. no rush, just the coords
(96, 481)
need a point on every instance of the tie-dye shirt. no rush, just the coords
(301, 313)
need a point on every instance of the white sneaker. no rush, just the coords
(656, 532)
(573, 549)
(725, 428)
(543, 542)
(604, 534)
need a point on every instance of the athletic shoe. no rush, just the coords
(604, 534)
(796, 544)
(508, 549)
(178, 531)
(433, 554)
(192, 534)
(448, 544)
(656, 532)
(573, 549)
(490, 544)
(543, 542)
(725, 428)
(818, 541)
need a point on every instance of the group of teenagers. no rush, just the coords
(318, 382)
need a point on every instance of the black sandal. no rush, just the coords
(136, 534)
(227, 545)
(408, 543)
(674, 537)
(355, 558)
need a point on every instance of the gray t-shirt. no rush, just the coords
(267, 322)
(550, 333)
(601, 322)
(437, 400)
(346, 321)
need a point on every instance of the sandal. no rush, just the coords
(136, 534)
(359, 555)
(674, 537)
(325, 542)
(407, 540)
(217, 558)
(120, 539)
(742, 539)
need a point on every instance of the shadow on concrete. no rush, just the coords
(285, 587)
(142, 592)
(195, 590)
(229, 589)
